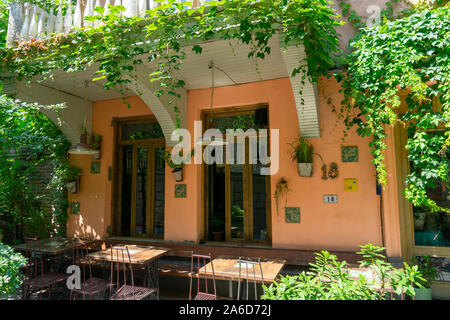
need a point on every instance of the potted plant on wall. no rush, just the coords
(429, 273)
(177, 169)
(302, 151)
(217, 228)
(281, 190)
(72, 179)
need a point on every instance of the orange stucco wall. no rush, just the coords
(95, 189)
(354, 220)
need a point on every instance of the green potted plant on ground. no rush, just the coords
(217, 228)
(302, 151)
(429, 273)
(72, 179)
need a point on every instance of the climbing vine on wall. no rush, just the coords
(412, 56)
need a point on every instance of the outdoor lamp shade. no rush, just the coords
(82, 148)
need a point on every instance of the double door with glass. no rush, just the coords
(141, 190)
(237, 194)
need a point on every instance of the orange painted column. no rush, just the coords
(390, 194)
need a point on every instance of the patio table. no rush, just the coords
(55, 246)
(227, 268)
(140, 255)
(54, 249)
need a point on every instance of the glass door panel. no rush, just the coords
(141, 191)
(216, 201)
(158, 191)
(259, 195)
(237, 201)
(126, 179)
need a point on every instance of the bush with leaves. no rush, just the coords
(330, 279)
(10, 264)
(428, 270)
(27, 140)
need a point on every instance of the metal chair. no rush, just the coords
(247, 276)
(121, 261)
(202, 295)
(35, 275)
(92, 285)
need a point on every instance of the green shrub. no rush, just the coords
(329, 279)
(428, 270)
(10, 263)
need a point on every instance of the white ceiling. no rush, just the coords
(233, 59)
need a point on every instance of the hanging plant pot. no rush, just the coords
(72, 186)
(178, 175)
(305, 169)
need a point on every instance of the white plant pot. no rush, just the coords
(419, 221)
(305, 169)
(422, 293)
(178, 175)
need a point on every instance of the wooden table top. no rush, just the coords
(138, 254)
(227, 268)
(55, 246)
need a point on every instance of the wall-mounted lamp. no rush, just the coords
(84, 148)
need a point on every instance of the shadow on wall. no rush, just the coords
(82, 228)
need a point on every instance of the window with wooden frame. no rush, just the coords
(138, 200)
(236, 197)
(423, 233)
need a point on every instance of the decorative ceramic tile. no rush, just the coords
(350, 154)
(180, 191)
(75, 207)
(95, 167)
(292, 215)
(351, 184)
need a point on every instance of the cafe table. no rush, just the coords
(146, 256)
(55, 248)
(227, 268)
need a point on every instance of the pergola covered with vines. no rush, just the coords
(158, 51)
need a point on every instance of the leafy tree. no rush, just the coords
(27, 139)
